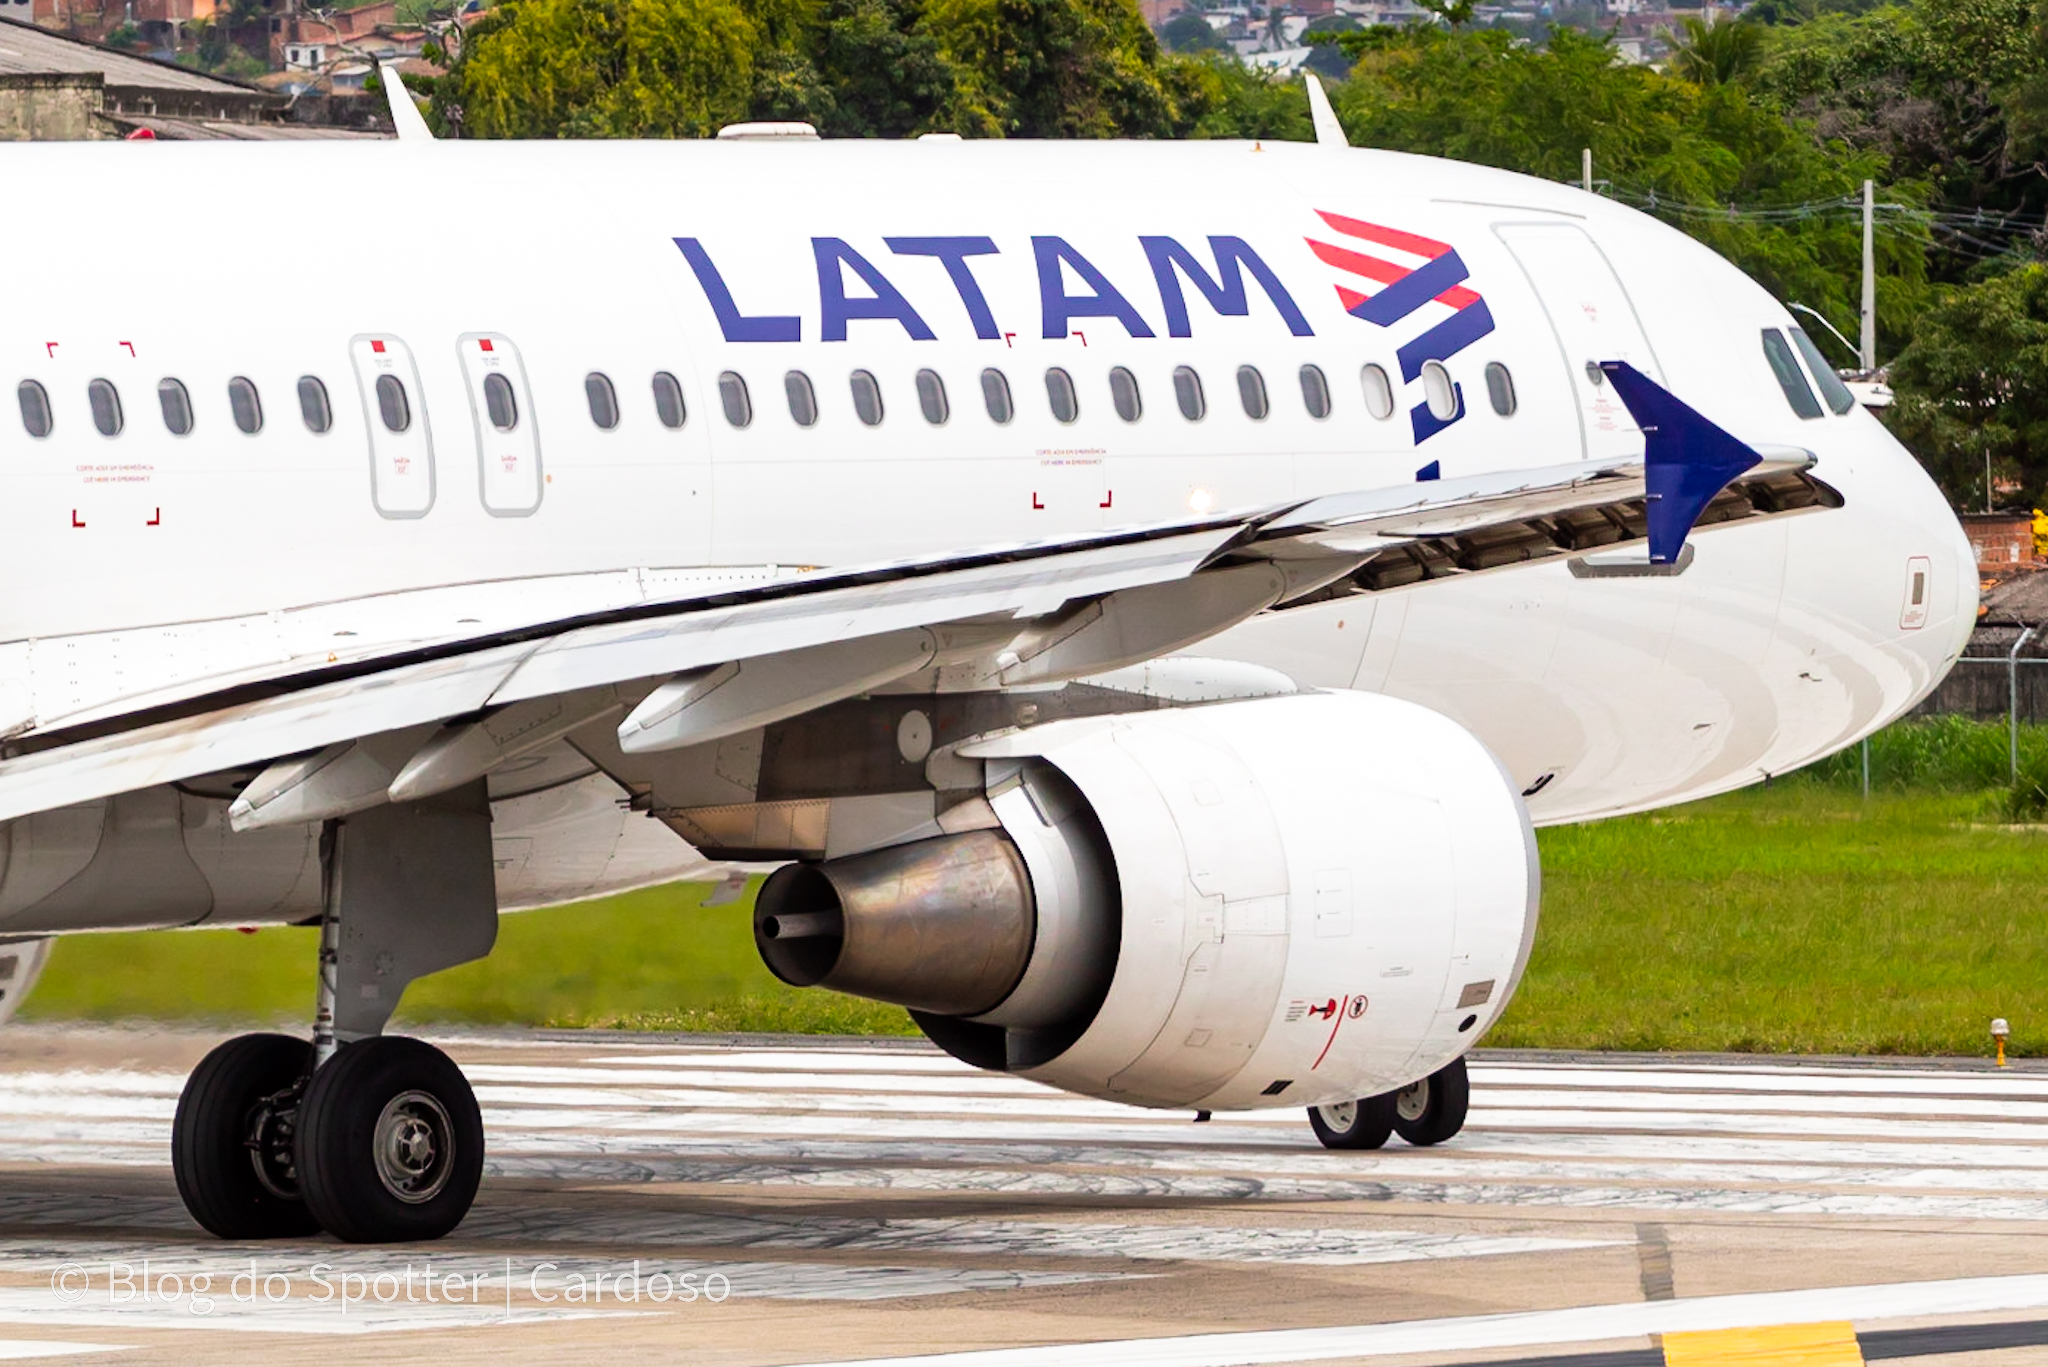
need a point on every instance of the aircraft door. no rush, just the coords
(395, 414)
(507, 437)
(1594, 321)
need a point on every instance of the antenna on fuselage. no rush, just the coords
(1329, 133)
(405, 115)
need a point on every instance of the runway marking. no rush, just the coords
(19, 1350)
(1579, 1324)
(1783, 1345)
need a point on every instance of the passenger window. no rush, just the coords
(1123, 392)
(246, 405)
(668, 400)
(313, 406)
(1438, 391)
(867, 398)
(1500, 389)
(1059, 391)
(803, 400)
(604, 400)
(1315, 392)
(931, 396)
(1831, 387)
(1779, 353)
(732, 393)
(106, 407)
(1251, 391)
(1187, 392)
(499, 404)
(995, 393)
(392, 405)
(1379, 392)
(35, 409)
(177, 406)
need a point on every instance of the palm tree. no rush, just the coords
(1713, 53)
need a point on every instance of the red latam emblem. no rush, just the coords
(1327, 1011)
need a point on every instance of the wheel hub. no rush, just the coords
(270, 1127)
(414, 1144)
(1340, 1115)
(1411, 1103)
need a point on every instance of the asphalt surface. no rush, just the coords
(768, 1201)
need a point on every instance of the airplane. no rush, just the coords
(1138, 598)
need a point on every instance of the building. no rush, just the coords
(58, 88)
(2004, 542)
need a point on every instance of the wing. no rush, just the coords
(406, 722)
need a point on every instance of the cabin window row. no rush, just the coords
(394, 405)
(1063, 398)
(316, 410)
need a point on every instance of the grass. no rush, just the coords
(1799, 918)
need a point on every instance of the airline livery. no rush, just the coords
(1135, 597)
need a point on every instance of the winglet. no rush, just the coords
(1329, 133)
(405, 115)
(1687, 459)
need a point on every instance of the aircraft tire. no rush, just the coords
(390, 1142)
(233, 1190)
(1433, 1109)
(1362, 1124)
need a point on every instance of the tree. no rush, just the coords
(1974, 381)
(602, 68)
(1709, 53)
(1188, 31)
(1053, 68)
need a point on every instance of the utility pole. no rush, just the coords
(1869, 357)
(1586, 169)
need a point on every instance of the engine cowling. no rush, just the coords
(1286, 901)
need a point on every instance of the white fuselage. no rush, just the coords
(137, 563)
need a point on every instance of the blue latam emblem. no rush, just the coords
(1401, 290)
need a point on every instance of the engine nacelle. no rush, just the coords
(1286, 901)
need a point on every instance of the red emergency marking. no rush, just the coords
(157, 520)
(75, 518)
(377, 346)
(1108, 497)
(1338, 1024)
(1035, 502)
(1009, 339)
(1082, 335)
(50, 347)
(129, 345)
(483, 344)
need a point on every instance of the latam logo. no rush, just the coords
(1428, 280)
(1071, 288)
(1406, 277)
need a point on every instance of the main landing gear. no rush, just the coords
(372, 1138)
(1425, 1112)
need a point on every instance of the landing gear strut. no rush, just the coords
(1425, 1112)
(373, 1138)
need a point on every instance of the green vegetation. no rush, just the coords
(1795, 918)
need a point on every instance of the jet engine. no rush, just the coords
(1286, 901)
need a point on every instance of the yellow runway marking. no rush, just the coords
(1782, 1345)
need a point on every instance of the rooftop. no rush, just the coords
(26, 50)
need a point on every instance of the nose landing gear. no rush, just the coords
(373, 1138)
(1425, 1112)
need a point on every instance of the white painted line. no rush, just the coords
(1582, 1324)
(17, 1350)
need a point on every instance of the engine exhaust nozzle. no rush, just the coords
(944, 926)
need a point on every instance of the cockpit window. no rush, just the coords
(1778, 352)
(1831, 387)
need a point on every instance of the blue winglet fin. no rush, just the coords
(1687, 459)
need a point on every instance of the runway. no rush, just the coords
(824, 1202)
